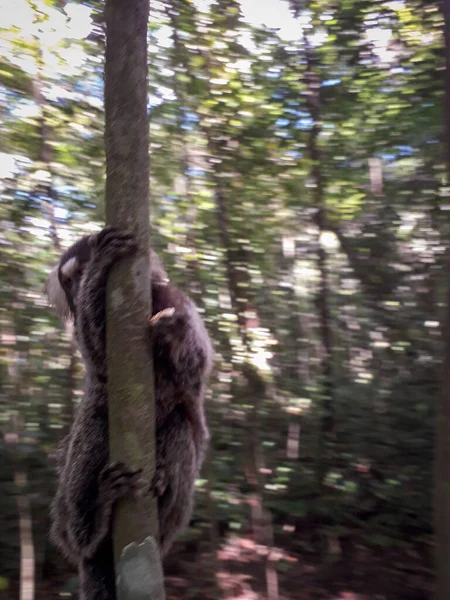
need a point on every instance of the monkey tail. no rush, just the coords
(97, 578)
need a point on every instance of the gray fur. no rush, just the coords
(88, 486)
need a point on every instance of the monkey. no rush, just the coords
(88, 484)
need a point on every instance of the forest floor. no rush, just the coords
(243, 574)
(240, 572)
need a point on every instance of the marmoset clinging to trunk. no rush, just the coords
(182, 353)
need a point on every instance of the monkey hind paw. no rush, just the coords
(117, 481)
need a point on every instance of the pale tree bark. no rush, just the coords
(27, 555)
(130, 377)
(442, 468)
(26, 541)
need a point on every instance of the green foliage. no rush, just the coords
(235, 217)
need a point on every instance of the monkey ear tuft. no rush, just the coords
(56, 295)
(69, 268)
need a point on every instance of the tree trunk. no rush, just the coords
(442, 472)
(130, 377)
(313, 102)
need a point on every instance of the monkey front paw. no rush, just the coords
(168, 325)
(162, 316)
(117, 481)
(112, 244)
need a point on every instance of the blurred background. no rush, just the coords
(299, 193)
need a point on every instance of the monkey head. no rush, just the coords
(64, 280)
(63, 283)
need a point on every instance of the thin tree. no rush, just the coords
(313, 102)
(130, 380)
(442, 469)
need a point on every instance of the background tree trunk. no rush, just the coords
(442, 499)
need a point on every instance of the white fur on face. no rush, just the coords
(55, 294)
